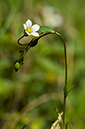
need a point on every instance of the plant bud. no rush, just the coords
(16, 66)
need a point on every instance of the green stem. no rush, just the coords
(65, 55)
(65, 90)
(21, 43)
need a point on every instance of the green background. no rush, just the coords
(28, 97)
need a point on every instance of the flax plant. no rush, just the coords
(29, 30)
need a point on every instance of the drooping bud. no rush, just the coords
(16, 66)
(34, 42)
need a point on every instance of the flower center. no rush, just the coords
(29, 30)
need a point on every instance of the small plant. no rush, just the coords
(60, 123)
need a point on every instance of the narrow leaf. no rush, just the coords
(24, 126)
(69, 125)
(46, 29)
(70, 89)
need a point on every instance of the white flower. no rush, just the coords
(31, 30)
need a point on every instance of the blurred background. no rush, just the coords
(29, 96)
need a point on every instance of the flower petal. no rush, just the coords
(35, 34)
(25, 26)
(35, 27)
(28, 33)
(28, 23)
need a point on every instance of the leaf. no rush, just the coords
(46, 29)
(70, 89)
(24, 126)
(69, 125)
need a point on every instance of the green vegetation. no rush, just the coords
(29, 96)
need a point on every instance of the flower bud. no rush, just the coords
(16, 66)
(34, 42)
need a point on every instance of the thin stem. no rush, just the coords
(65, 55)
(65, 90)
(21, 43)
(20, 39)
